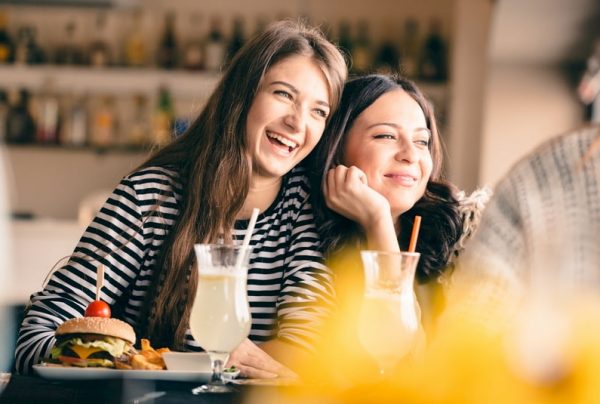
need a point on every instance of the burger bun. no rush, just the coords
(111, 327)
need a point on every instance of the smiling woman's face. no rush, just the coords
(389, 141)
(287, 117)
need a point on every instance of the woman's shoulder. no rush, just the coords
(296, 182)
(155, 177)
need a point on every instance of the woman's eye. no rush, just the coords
(322, 113)
(384, 136)
(284, 93)
(422, 142)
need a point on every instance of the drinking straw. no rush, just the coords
(415, 234)
(99, 280)
(247, 236)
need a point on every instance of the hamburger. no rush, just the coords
(93, 342)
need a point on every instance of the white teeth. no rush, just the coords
(283, 140)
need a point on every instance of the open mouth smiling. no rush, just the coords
(404, 179)
(281, 141)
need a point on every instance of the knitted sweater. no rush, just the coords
(539, 229)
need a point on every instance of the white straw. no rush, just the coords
(247, 236)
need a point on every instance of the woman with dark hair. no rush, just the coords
(382, 158)
(265, 116)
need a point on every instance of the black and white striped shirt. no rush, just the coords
(289, 287)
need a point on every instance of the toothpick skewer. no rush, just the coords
(99, 280)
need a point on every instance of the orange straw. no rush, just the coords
(415, 234)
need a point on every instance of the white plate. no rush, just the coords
(55, 372)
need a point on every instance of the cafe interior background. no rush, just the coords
(106, 79)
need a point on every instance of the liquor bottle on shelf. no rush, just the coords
(139, 128)
(69, 53)
(99, 51)
(433, 58)
(345, 38)
(193, 56)
(6, 43)
(20, 126)
(362, 58)
(136, 52)
(104, 123)
(237, 38)
(214, 50)
(163, 118)
(410, 49)
(3, 114)
(388, 58)
(27, 51)
(47, 115)
(167, 49)
(261, 24)
(74, 128)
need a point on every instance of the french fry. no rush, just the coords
(146, 345)
(148, 358)
(140, 362)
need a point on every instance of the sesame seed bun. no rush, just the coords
(111, 327)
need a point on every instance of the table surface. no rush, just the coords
(34, 389)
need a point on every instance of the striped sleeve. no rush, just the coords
(116, 230)
(307, 297)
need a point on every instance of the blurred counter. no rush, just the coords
(36, 246)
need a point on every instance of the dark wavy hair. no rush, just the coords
(214, 171)
(441, 220)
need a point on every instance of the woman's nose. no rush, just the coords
(295, 119)
(406, 152)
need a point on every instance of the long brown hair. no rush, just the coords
(442, 223)
(214, 169)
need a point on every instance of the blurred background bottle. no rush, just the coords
(139, 128)
(3, 114)
(69, 52)
(410, 49)
(74, 128)
(99, 50)
(27, 51)
(162, 122)
(362, 58)
(387, 59)
(237, 38)
(6, 43)
(167, 48)
(214, 50)
(20, 126)
(47, 115)
(136, 51)
(193, 56)
(104, 123)
(345, 37)
(433, 58)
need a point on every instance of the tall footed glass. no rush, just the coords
(220, 318)
(389, 319)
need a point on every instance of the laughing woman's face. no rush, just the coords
(287, 117)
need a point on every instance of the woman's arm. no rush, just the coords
(114, 239)
(348, 193)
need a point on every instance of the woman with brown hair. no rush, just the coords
(382, 159)
(265, 116)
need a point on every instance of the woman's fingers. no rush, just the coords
(254, 362)
(254, 373)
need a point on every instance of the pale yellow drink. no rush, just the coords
(388, 326)
(220, 319)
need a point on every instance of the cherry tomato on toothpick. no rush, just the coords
(98, 308)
